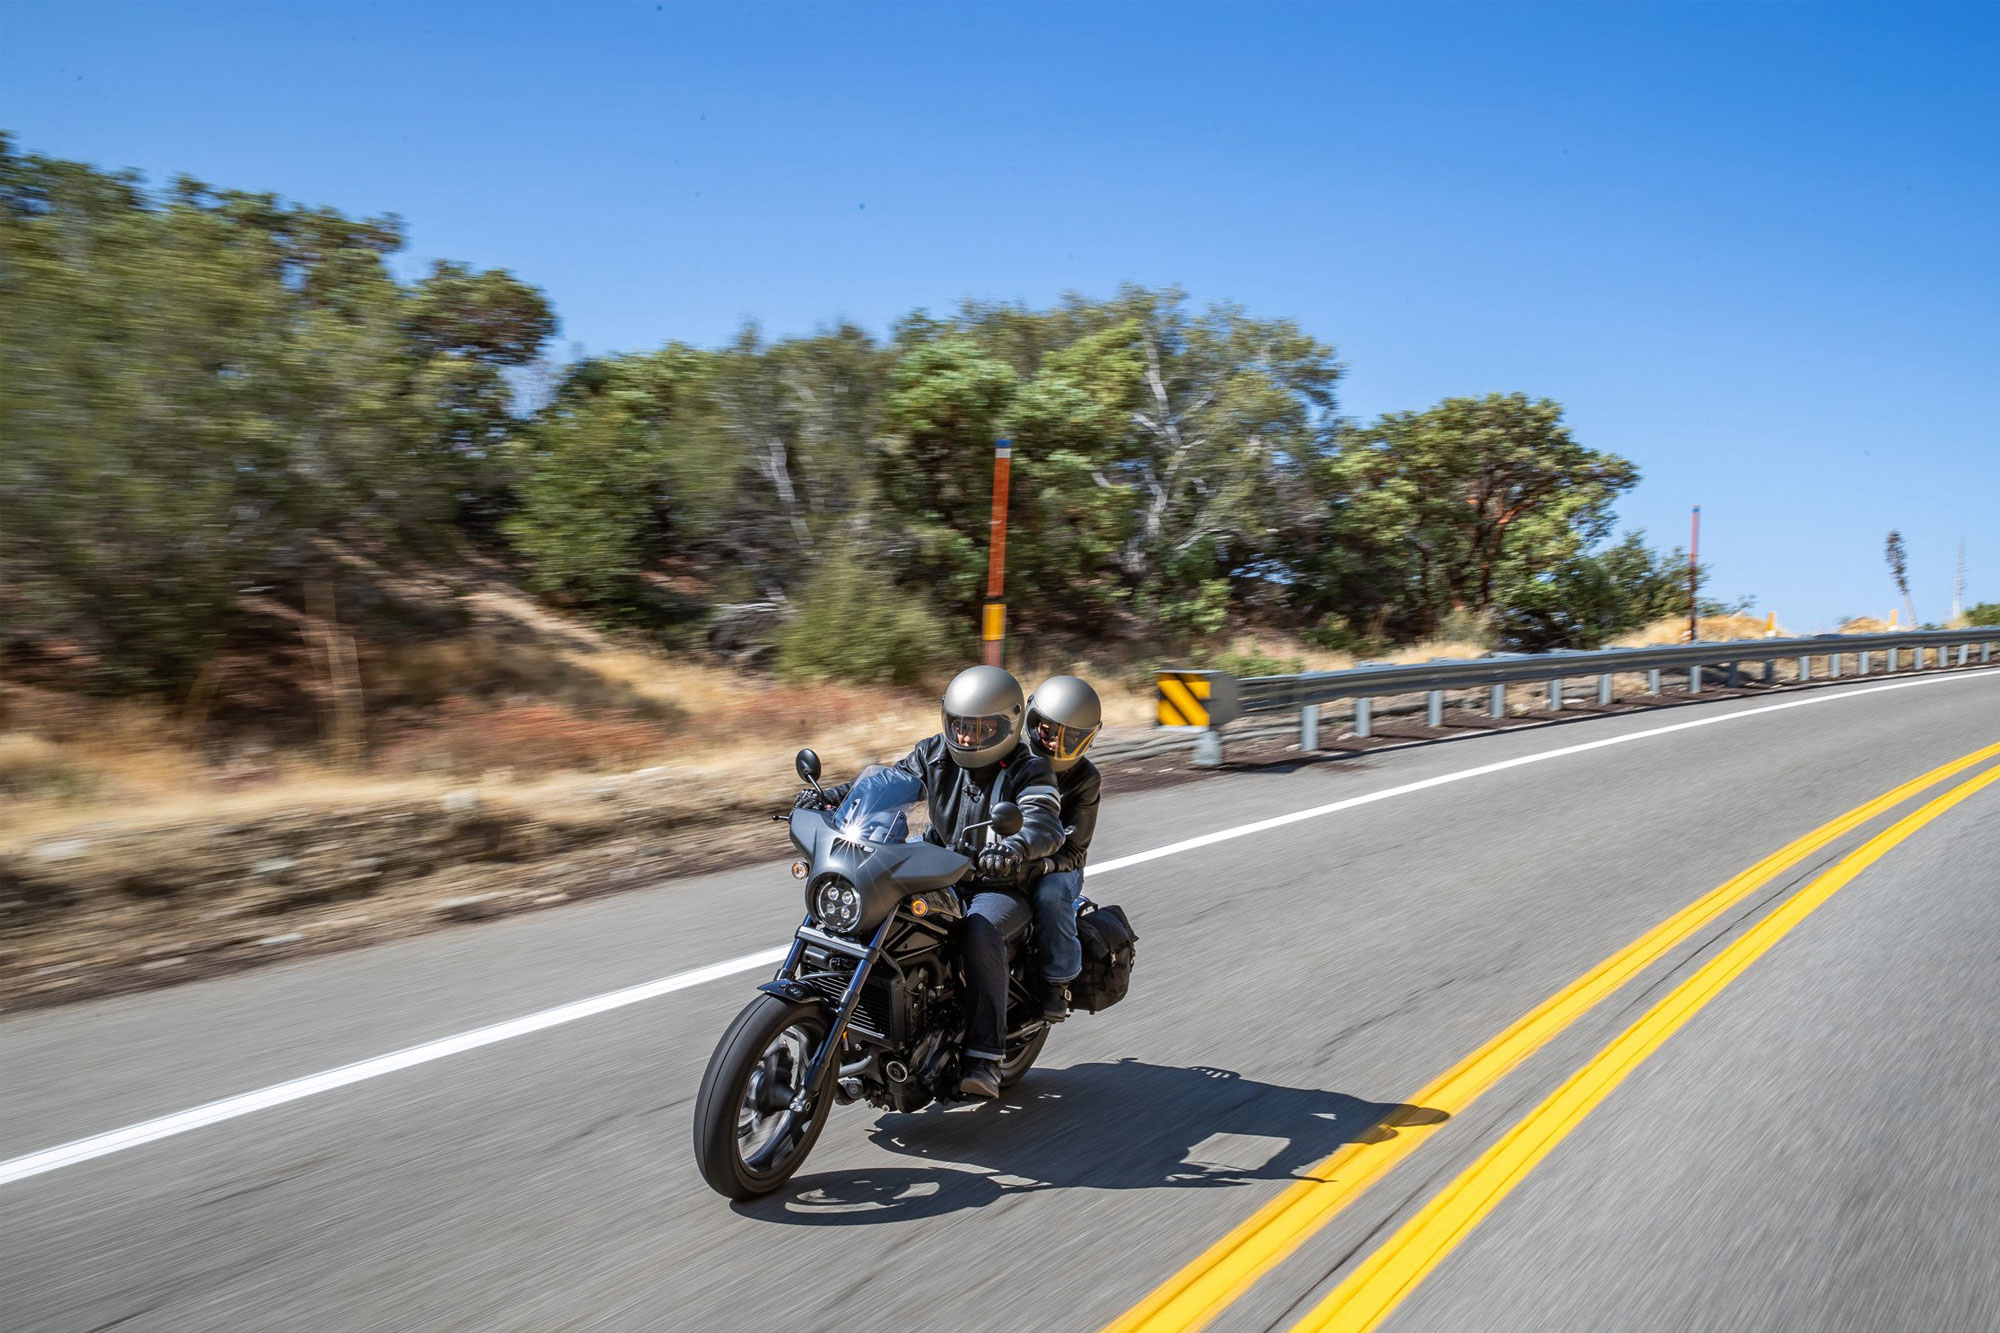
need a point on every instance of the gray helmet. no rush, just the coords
(1064, 717)
(982, 710)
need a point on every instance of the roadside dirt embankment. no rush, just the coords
(103, 908)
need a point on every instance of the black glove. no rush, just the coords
(1000, 860)
(809, 800)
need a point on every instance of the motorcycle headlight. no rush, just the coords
(837, 904)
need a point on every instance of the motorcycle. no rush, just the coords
(870, 1003)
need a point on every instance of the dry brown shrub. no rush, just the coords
(466, 739)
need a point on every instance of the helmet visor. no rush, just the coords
(1060, 742)
(974, 733)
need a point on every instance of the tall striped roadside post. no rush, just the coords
(993, 616)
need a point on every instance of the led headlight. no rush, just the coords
(836, 904)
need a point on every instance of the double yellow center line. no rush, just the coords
(1201, 1290)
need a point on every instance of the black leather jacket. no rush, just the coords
(960, 797)
(1080, 788)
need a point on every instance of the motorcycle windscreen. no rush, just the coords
(916, 867)
(879, 806)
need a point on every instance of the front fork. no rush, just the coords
(826, 1056)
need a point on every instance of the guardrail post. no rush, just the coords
(1694, 679)
(1496, 706)
(1208, 748)
(1861, 663)
(1833, 666)
(1895, 659)
(1805, 668)
(1986, 651)
(1604, 689)
(1434, 709)
(1653, 681)
(1729, 681)
(1363, 716)
(1556, 695)
(1770, 671)
(1309, 727)
(1963, 652)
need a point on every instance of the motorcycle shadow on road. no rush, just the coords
(1121, 1125)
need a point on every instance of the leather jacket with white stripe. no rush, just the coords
(961, 797)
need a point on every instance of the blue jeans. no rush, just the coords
(990, 918)
(1056, 947)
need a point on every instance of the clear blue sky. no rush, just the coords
(1756, 250)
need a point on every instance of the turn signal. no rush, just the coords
(800, 870)
(918, 907)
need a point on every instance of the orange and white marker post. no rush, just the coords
(993, 618)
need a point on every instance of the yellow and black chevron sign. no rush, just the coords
(1197, 698)
(1183, 698)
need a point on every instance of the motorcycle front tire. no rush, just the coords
(725, 1085)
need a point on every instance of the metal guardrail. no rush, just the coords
(1306, 692)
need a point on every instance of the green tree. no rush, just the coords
(602, 491)
(1070, 425)
(1473, 498)
(1584, 600)
(945, 404)
(204, 386)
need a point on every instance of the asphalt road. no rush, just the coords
(1818, 1148)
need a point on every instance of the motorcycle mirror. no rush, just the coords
(1006, 819)
(808, 765)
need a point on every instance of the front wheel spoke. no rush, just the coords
(766, 1125)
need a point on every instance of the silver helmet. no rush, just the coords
(982, 710)
(1064, 717)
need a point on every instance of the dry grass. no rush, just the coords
(1712, 627)
(525, 702)
(509, 717)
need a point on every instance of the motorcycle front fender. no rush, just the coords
(796, 991)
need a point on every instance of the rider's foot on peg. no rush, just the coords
(981, 1079)
(1055, 1002)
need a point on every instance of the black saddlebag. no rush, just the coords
(1109, 943)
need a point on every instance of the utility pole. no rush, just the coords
(1694, 577)
(993, 619)
(1958, 584)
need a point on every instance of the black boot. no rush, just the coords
(1055, 1001)
(981, 1079)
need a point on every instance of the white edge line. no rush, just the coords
(1443, 779)
(149, 1131)
(82, 1150)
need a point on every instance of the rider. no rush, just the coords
(974, 764)
(1064, 717)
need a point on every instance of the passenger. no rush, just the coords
(1064, 717)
